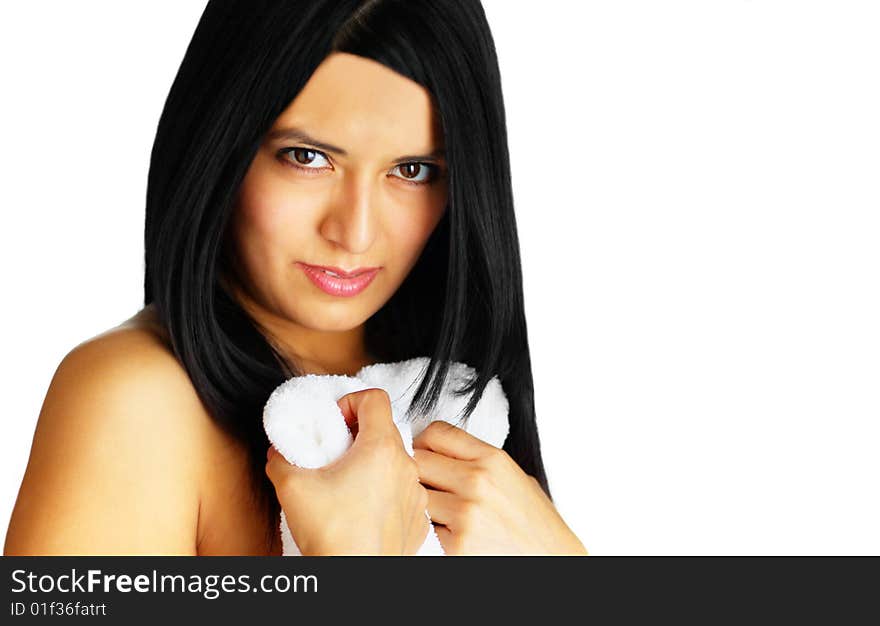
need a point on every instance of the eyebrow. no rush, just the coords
(299, 135)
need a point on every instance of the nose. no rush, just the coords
(350, 221)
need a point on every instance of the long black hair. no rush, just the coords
(462, 301)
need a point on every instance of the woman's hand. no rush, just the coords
(368, 501)
(482, 503)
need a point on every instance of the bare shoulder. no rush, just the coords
(135, 353)
(133, 368)
(116, 460)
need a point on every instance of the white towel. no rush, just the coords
(303, 421)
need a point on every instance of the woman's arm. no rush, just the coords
(112, 468)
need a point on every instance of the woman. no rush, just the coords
(329, 187)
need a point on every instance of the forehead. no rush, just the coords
(362, 105)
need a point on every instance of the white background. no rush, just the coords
(697, 194)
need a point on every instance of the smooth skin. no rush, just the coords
(115, 467)
(126, 459)
(481, 501)
(367, 502)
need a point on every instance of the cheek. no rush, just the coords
(271, 217)
(408, 237)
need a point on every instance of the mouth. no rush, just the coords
(338, 282)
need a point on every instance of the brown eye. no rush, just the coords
(306, 157)
(411, 170)
(415, 172)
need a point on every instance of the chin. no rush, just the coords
(333, 319)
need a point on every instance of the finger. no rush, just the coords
(440, 471)
(367, 411)
(345, 406)
(442, 507)
(277, 466)
(451, 440)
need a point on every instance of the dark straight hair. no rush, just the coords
(462, 301)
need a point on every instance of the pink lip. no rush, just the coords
(350, 284)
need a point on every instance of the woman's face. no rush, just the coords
(351, 176)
